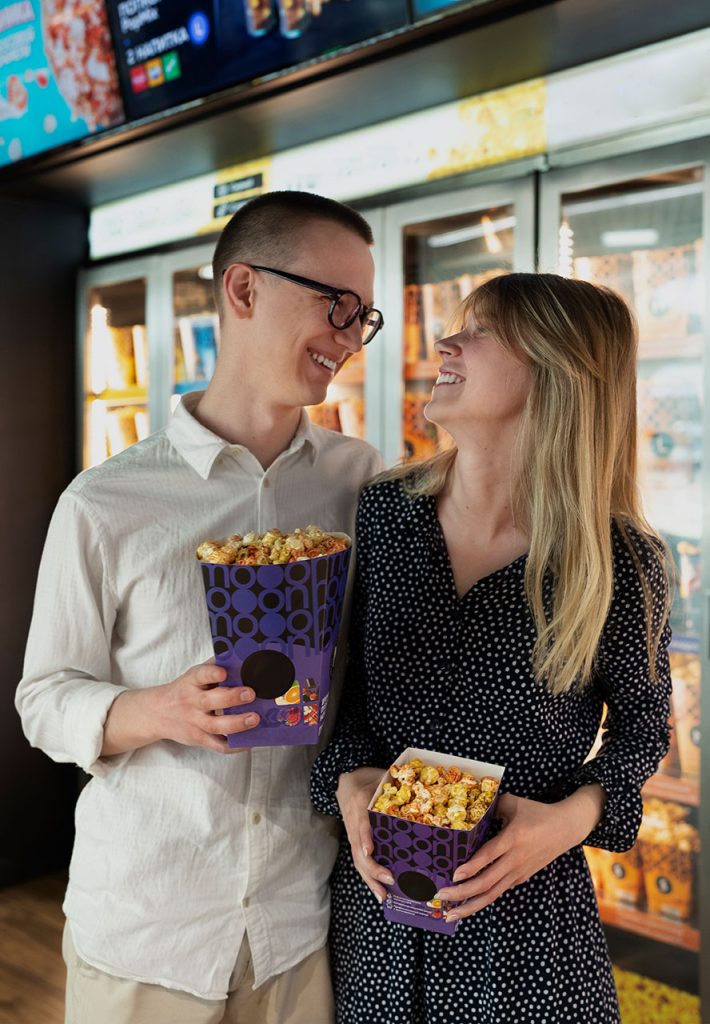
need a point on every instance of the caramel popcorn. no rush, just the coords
(437, 796)
(272, 547)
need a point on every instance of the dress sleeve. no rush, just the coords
(636, 734)
(65, 693)
(352, 746)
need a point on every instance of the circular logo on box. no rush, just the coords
(663, 885)
(417, 886)
(269, 673)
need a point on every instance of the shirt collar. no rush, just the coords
(201, 447)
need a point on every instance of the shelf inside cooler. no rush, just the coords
(667, 787)
(687, 346)
(675, 933)
(130, 394)
(426, 369)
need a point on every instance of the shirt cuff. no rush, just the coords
(618, 826)
(84, 725)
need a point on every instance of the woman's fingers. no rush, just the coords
(484, 882)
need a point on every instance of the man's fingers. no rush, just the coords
(207, 674)
(228, 725)
(222, 697)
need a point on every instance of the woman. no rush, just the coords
(506, 590)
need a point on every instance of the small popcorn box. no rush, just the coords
(423, 858)
(274, 628)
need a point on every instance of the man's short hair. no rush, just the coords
(266, 230)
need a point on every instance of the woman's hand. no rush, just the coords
(354, 792)
(533, 835)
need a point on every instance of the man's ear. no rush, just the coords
(238, 285)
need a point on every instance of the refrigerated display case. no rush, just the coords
(439, 249)
(639, 225)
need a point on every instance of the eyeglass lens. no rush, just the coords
(346, 308)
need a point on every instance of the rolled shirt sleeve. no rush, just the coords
(65, 693)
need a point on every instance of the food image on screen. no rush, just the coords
(58, 80)
(78, 45)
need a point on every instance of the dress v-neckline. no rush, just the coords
(460, 598)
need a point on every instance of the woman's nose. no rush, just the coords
(447, 346)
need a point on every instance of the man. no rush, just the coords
(198, 883)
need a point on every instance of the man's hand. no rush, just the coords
(353, 794)
(189, 710)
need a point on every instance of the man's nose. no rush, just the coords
(351, 337)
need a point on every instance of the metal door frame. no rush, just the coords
(616, 170)
(517, 192)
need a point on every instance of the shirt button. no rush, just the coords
(265, 483)
(245, 901)
(256, 818)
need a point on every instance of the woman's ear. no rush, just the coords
(238, 287)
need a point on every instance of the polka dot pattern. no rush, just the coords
(429, 669)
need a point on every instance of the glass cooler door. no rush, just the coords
(445, 247)
(640, 229)
(114, 360)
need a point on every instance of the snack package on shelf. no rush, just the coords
(440, 300)
(274, 603)
(670, 765)
(621, 876)
(420, 436)
(325, 415)
(124, 426)
(664, 280)
(414, 344)
(429, 814)
(668, 845)
(351, 413)
(685, 673)
(594, 863)
(612, 271)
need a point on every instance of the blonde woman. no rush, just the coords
(506, 590)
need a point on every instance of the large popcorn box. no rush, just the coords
(423, 858)
(274, 628)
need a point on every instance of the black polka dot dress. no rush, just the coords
(431, 670)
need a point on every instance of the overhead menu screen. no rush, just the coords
(173, 51)
(58, 81)
(423, 8)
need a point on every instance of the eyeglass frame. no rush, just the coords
(334, 294)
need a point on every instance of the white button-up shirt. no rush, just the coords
(179, 850)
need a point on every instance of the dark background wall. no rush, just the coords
(41, 247)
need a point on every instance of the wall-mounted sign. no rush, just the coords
(172, 51)
(58, 82)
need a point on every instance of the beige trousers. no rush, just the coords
(302, 995)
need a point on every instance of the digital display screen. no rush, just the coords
(58, 81)
(422, 8)
(171, 51)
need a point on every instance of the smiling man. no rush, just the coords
(198, 887)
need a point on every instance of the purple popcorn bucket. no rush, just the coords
(275, 628)
(423, 858)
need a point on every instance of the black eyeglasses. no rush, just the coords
(345, 306)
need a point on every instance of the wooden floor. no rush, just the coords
(31, 967)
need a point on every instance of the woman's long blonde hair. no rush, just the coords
(575, 461)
